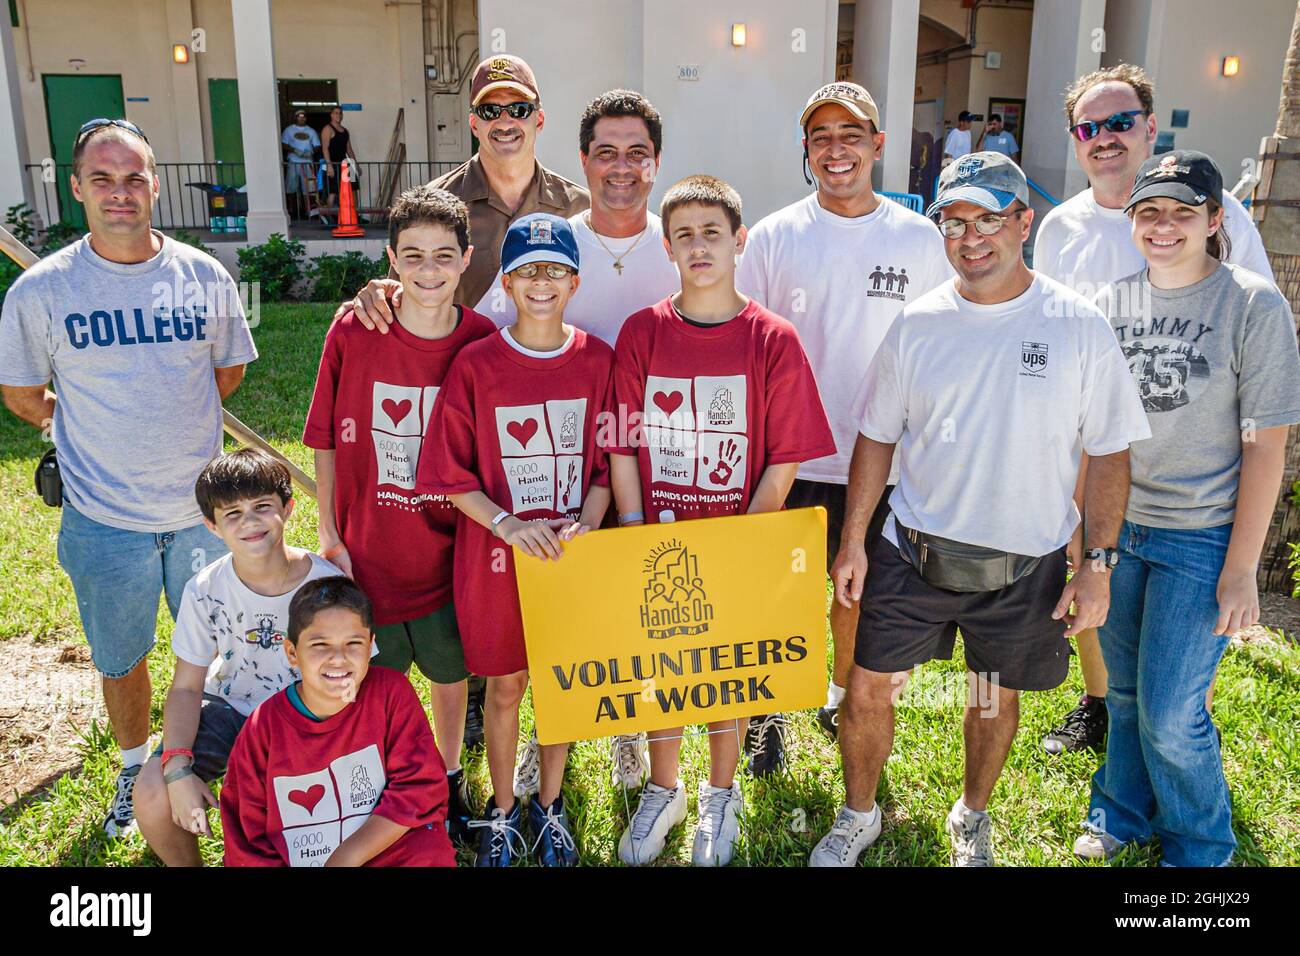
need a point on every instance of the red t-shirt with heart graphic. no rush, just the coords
(373, 402)
(522, 430)
(718, 405)
(296, 788)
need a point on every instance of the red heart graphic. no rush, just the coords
(522, 432)
(396, 410)
(307, 799)
(668, 403)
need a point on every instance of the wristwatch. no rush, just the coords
(1109, 557)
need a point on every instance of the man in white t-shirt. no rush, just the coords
(1087, 242)
(992, 387)
(625, 268)
(840, 264)
(957, 143)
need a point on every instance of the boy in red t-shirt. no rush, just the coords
(513, 445)
(372, 405)
(728, 409)
(339, 768)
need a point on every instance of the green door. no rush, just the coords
(69, 102)
(227, 131)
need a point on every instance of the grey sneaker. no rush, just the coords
(528, 768)
(121, 812)
(971, 832)
(715, 834)
(853, 832)
(659, 811)
(631, 756)
(1094, 844)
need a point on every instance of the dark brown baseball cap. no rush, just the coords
(503, 72)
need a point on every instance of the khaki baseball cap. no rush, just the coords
(851, 96)
(503, 72)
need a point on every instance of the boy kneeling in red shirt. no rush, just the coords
(340, 768)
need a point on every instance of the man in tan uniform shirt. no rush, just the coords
(502, 182)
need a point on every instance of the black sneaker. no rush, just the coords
(829, 718)
(474, 712)
(765, 741)
(459, 812)
(1083, 728)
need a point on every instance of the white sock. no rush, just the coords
(451, 771)
(135, 756)
(961, 808)
(834, 695)
(868, 816)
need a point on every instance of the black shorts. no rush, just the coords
(219, 725)
(832, 497)
(1009, 635)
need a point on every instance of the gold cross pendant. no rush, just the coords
(619, 266)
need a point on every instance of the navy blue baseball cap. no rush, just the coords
(539, 237)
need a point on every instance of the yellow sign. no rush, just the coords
(669, 624)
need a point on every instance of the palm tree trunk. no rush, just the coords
(1276, 209)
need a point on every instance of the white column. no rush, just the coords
(259, 115)
(410, 38)
(1066, 42)
(884, 61)
(15, 185)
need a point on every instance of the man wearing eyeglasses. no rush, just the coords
(500, 183)
(991, 386)
(143, 337)
(1085, 243)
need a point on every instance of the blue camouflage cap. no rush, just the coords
(987, 179)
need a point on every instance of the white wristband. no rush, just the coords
(496, 522)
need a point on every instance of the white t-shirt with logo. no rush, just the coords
(1085, 245)
(238, 634)
(957, 144)
(605, 296)
(992, 407)
(841, 283)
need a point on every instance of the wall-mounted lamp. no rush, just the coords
(737, 34)
(180, 53)
(1231, 65)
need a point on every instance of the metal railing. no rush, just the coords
(184, 204)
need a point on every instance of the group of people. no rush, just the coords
(304, 149)
(975, 429)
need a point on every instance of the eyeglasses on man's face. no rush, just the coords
(488, 112)
(989, 225)
(1115, 122)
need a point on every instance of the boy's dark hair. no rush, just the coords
(427, 206)
(620, 103)
(321, 594)
(704, 191)
(247, 473)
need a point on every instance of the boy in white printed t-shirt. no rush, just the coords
(228, 643)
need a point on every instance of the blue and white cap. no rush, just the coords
(987, 179)
(539, 237)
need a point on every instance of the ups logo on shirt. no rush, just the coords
(1033, 358)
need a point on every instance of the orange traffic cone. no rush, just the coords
(348, 227)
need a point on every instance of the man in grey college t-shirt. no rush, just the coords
(143, 337)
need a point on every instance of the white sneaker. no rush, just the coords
(1094, 844)
(631, 755)
(528, 768)
(852, 832)
(971, 832)
(715, 834)
(120, 820)
(659, 811)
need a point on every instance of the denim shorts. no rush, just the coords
(219, 725)
(118, 576)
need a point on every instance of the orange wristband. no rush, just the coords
(332, 553)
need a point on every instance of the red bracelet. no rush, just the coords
(176, 752)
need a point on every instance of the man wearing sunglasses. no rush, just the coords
(991, 392)
(143, 338)
(500, 183)
(1085, 243)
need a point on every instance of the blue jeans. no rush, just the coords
(118, 576)
(1163, 773)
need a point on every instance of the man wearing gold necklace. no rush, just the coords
(619, 141)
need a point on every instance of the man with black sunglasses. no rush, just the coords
(500, 183)
(1085, 243)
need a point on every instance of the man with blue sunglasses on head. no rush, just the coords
(1085, 243)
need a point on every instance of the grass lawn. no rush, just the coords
(1036, 808)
